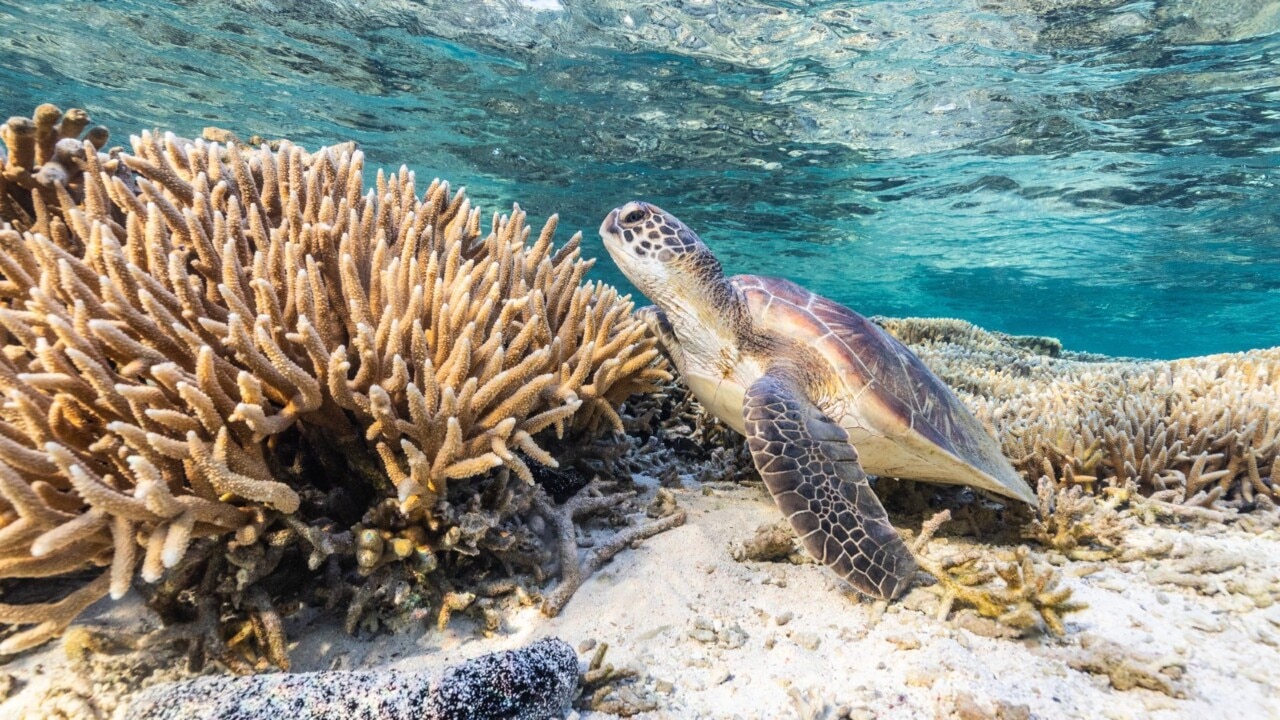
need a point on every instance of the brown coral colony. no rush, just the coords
(1197, 437)
(178, 319)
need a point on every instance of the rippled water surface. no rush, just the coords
(1103, 172)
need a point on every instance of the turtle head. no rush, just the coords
(659, 254)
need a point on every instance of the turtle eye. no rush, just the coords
(633, 217)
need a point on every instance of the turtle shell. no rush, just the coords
(903, 419)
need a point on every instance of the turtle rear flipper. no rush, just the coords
(812, 472)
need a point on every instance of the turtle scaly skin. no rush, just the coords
(812, 472)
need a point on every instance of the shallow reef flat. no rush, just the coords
(274, 460)
(1191, 633)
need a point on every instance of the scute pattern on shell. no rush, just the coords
(889, 373)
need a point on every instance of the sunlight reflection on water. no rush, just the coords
(1102, 172)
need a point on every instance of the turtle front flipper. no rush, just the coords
(812, 472)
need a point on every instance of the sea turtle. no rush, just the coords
(821, 393)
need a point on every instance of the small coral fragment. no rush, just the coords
(1127, 668)
(1029, 598)
(613, 690)
(770, 543)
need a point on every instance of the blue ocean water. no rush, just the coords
(1104, 172)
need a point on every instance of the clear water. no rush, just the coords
(1104, 172)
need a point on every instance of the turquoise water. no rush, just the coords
(1104, 172)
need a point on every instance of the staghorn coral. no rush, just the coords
(206, 340)
(1079, 525)
(1190, 434)
(44, 153)
(1028, 599)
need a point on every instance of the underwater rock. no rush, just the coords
(532, 683)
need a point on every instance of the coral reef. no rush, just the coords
(534, 682)
(1193, 434)
(1127, 668)
(217, 356)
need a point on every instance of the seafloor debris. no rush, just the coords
(212, 346)
(772, 542)
(817, 703)
(532, 683)
(726, 635)
(1126, 667)
(613, 690)
(1200, 433)
(964, 706)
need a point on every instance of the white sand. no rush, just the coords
(893, 662)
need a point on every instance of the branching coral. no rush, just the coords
(193, 332)
(1079, 525)
(1199, 433)
(1028, 598)
(572, 571)
(43, 154)
(614, 691)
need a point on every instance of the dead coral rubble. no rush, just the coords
(214, 341)
(1197, 436)
(1125, 667)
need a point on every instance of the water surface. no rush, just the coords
(1102, 172)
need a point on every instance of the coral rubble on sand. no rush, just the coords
(218, 357)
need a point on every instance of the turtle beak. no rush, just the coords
(610, 224)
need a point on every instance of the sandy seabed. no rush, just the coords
(711, 637)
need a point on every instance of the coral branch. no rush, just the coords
(574, 572)
(1028, 598)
